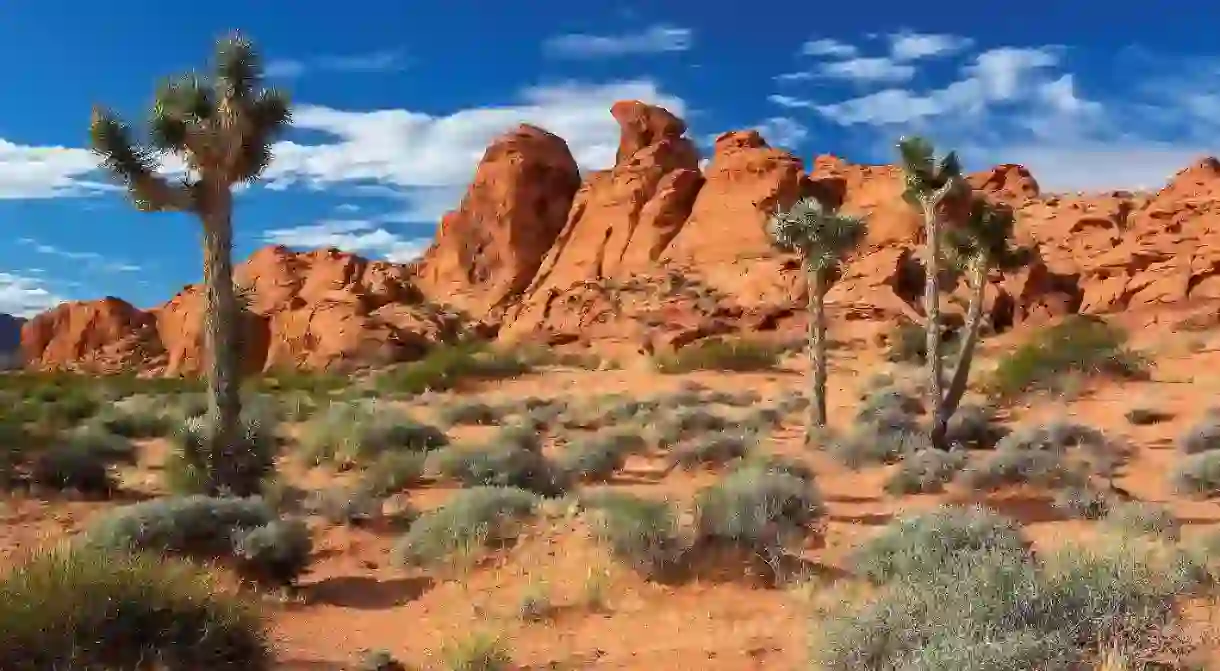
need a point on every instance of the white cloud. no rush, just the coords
(25, 296)
(828, 47)
(909, 46)
(655, 39)
(47, 172)
(1022, 105)
(91, 261)
(790, 102)
(784, 132)
(387, 60)
(428, 160)
(995, 76)
(868, 70)
(362, 237)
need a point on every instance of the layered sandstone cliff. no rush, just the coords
(654, 253)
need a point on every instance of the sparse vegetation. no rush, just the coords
(449, 366)
(471, 521)
(82, 608)
(1079, 345)
(986, 606)
(246, 531)
(354, 434)
(641, 532)
(723, 354)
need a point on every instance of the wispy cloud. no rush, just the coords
(909, 46)
(92, 261)
(363, 237)
(1025, 105)
(25, 296)
(389, 60)
(655, 39)
(785, 132)
(828, 47)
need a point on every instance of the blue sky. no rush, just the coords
(397, 99)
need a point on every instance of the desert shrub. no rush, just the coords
(760, 420)
(100, 441)
(138, 416)
(344, 505)
(69, 467)
(773, 463)
(906, 342)
(1144, 416)
(392, 472)
(726, 354)
(715, 449)
(447, 366)
(498, 464)
(1203, 436)
(886, 429)
(356, 434)
(82, 608)
(997, 609)
(974, 427)
(469, 412)
(643, 533)
(478, 651)
(276, 552)
(379, 660)
(1148, 519)
(521, 436)
(1008, 468)
(1197, 474)
(1082, 502)
(191, 468)
(926, 470)
(1079, 345)
(15, 444)
(920, 546)
(204, 527)
(684, 423)
(598, 457)
(888, 401)
(471, 520)
(1055, 454)
(757, 510)
(60, 405)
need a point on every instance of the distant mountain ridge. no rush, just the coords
(10, 339)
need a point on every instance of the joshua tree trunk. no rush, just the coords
(965, 355)
(221, 341)
(931, 301)
(817, 352)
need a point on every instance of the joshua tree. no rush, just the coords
(930, 186)
(222, 128)
(981, 243)
(822, 237)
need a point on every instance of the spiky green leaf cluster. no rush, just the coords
(820, 235)
(984, 237)
(222, 127)
(923, 175)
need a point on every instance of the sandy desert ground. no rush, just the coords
(598, 612)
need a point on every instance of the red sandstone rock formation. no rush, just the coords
(654, 253)
(488, 250)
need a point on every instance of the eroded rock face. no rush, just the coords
(488, 250)
(107, 335)
(654, 253)
(318, 310)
